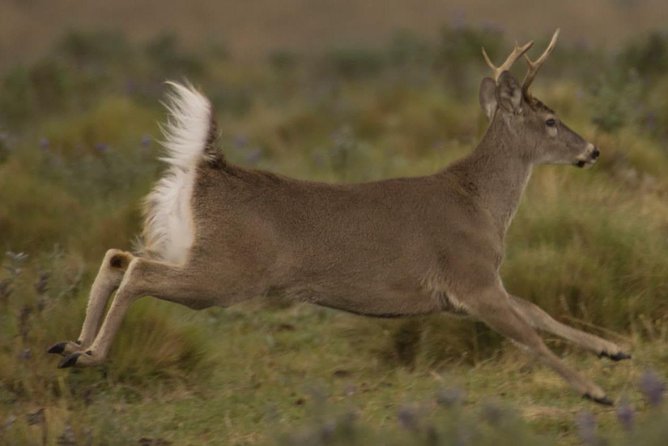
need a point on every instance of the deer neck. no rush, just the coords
(496, 174)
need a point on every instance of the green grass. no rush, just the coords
(269, 370)
(589, 246)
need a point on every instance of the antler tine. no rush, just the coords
(518, 51)
(535, 65)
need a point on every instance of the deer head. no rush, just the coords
(534, 128)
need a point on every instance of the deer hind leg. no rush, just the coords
(494, 308)
(539, 319)
(108, 278)
(143, 278)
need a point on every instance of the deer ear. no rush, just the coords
(487, 97)
(509, 92)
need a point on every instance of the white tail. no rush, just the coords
(168, 229)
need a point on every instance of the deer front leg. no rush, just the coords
(539, 319)
(108, 279)
(493, 306)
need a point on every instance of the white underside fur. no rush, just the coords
(169, 229)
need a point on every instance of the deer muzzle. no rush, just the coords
(589, 157)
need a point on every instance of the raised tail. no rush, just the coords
(190, 141)
(190, 131)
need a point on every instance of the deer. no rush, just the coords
(216, 234)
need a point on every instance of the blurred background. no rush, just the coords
(250, 29)
(338, 91)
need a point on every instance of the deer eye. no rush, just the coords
(551, 122)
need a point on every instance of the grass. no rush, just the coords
(276, 368)
(588, 246)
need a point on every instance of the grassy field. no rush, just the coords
(78, 151)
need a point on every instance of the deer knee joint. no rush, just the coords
(119, 260)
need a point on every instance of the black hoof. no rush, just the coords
(616, 357)
(69, 361)
(605, 401)
(620, 356)
(58, 348)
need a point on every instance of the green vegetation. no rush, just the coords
(78, 150)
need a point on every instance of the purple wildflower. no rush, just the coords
(653, 387)
(146, 141)
(626, 416)
(327, 430)
(240, 142)
(346, 423)
(254, 155)
(342, 136)
(102, 147)
(587, 428)
(319, 160)
(450, 397)
(463, 436)
(492, 413)
(44, 144)
(408, 417)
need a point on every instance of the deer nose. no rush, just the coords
(595, 154)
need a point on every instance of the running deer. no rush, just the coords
(217, 234)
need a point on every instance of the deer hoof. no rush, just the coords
(65, 348)
(69, 361)
(615, 356)
(58, 348)
(604, 400)
(618, 356)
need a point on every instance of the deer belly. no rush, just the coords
(386, 302)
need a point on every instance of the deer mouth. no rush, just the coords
(584, 164)
(589, 159)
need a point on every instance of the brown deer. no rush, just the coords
(218, 234)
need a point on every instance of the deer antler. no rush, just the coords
(535, 65)
(518, 51)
